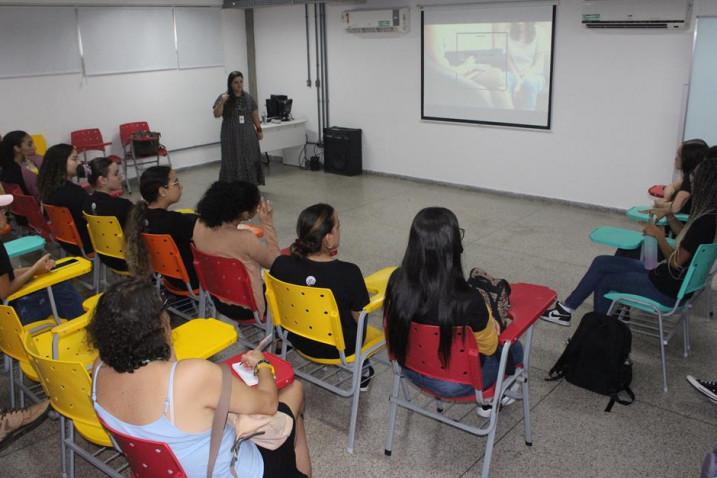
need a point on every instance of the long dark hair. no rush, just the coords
(99, 167)
(430, 281)
(150, 182)
(231, 102)
(692, 152)
(53, 172)
(7, 147)
(312, 226)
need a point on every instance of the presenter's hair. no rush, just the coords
(53, 172)
(7, 147)
(99, 167)
(429, 281)
(229, 105)
(226, 201)
(137, 255)
(314, 223)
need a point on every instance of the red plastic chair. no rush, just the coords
(146, 458)
(138, 162)
(227, 279)
(528, 302)
(167, 262)
(64, 230)
(27, 207)
(11, 188)
(85, 140)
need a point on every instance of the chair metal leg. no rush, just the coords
(392, 411)
(63, 446)
(20, 382)
(686, 334)
(487, 457)
(662, 352)
(527, 430)
(96, 276)
(708, 293)
(12, 383)
(71, 457)
(358, 367)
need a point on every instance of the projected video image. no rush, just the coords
(493, 72)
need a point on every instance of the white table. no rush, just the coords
(288, 137)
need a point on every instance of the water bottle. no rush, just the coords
(649, 249)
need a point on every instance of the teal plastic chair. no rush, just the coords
(24, 245)
(670, 317)
(638, 214)
(617, 237)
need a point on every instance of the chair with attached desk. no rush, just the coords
(670, 316)
(139, 161)
(108, 241)
(227, 280)
(528, 301)
(312, 312)
(28, 207)
(24, 245)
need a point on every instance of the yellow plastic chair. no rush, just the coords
(40, 144)
(68, 386)
(11, 330)
(107, 239)
(65, 269)
(312, 312)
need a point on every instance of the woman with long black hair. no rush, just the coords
(241, 133)
(430, 288)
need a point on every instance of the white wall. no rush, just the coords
(175, 102)
(617, 107)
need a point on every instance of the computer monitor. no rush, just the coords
(279, 106)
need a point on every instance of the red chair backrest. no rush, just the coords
(87, 140)
(224, 277)
(27, 207)
(165, 257)
(127, 129)
(147, 458)
(11, 188)
(62, 226)
(422, 355)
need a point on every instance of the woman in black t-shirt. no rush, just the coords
(313, 262)
(662, 284)
(160, 188)
(57, 189)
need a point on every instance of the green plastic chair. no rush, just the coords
(638, 214)
(695, 281)
(24, 245)
(616, 237)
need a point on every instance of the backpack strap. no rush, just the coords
(220, 419)
(616, 398)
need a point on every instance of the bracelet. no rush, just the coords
(263, 363)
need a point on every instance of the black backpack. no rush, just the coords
(597, 358)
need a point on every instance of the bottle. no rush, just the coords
(649, 249)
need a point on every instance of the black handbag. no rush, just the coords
(145, 143)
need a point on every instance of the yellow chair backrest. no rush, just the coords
(106, 235)
(11, 333)
(72, 341)
(40, 144)
(307, 311)
(68, 386)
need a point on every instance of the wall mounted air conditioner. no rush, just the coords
(661, 14)
(384, 20)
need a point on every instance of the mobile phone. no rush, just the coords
(63, 264)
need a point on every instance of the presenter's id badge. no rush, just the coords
(241, 119)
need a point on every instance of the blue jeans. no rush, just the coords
(614, 273)
(446, 389)
(36, 306)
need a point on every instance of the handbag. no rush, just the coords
(145, 143)
(266, 431)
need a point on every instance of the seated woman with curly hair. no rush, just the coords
(141, 390)
(220, 232)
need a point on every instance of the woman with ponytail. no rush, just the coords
(313, 262)
(626, 275)
(219, 232)
(160, 188)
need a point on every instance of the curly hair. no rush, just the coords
(312, 226)
(137, 255)
(225, 201)
(53, 172)
(128, 328)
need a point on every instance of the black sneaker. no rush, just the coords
(557, 315)
(366, 376)
(705, 387)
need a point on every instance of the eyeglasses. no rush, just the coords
(173, 183)
(462, 232)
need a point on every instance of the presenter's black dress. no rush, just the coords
(241, 157)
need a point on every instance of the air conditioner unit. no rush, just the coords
(385, 20)
(661, 14)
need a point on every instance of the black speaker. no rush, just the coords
(342, 151)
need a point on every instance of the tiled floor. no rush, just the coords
(660, 435)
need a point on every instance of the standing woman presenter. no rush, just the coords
(241, 133)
